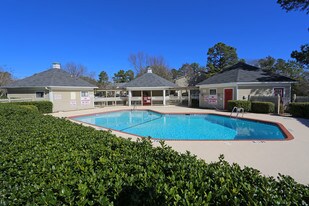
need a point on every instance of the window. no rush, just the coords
(212, 91)
(39, 94)
(279, 91)
(84, 94)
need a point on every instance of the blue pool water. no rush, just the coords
(184, 127)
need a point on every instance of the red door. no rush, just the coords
(228, 95)
(146, 98)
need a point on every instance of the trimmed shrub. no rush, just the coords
(239, 103)
(30, 107)
(52, 161)
(262, 107)
(43, 106)
(299, 109)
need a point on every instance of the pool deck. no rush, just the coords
(288, 157)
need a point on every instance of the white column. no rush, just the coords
(180, 96)
(151, 97)
(189, 98)
(164, 103)
(130, 95)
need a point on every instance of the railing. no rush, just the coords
(237, 110)
(110, 99)
(16, 100)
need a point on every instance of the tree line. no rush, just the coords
(219, 57)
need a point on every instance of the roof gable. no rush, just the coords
(149, 80)
(242, 72)
(50, 78)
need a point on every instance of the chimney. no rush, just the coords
(56, 65)
(149, 70)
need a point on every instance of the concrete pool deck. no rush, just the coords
(270, 157)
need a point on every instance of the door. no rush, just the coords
(280, 92)
(228, 95)
(146, 98)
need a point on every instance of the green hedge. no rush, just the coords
(43, 106)
(239, 103)
(262, 107)
(51, 161)
(299, 109)
(30, 107)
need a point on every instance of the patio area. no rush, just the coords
(270, 157)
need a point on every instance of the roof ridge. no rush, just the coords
(237, 74)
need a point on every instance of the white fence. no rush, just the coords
(301, 98)
(16, 100)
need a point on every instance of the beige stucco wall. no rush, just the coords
(204, 92)
(71, 100)
(20, 93)
(263, 90)
(63, 100)
(266, 89)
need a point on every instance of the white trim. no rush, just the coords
(147, 88)
(273, 91)
(239, 83)
(232, 84)
(51, 96)
(224, 95)
(164, 99)
(51, 87)
(236, 92)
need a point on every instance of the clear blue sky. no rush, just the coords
(101, 34)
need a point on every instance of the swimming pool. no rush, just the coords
(184, 126)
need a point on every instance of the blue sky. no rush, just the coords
(101, 34)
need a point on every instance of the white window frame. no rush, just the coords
(283, 91)
(84, 93)
(41, 96)
(213, 89)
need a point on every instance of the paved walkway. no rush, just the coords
(270, 157)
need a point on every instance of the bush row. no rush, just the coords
(239, 103)
(51, 161)
(262, 107)
(43, 106)
(257, 107)
(299, 109)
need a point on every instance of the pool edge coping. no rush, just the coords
(288, 135)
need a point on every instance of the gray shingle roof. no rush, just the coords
(50, 78)
(149, 80)
(242, 72)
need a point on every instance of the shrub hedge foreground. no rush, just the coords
(299, 109)
(43, 106)
(49, 161)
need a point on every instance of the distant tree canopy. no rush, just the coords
(302, 56)
(80, 71)
(221, 56)
(89, 79)
(294, 5)
(75, 70)
(5, 78)
(267, 63)
(193, 72)
(141, 61)
(103, 79)
(123, 76)
(290, 68)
